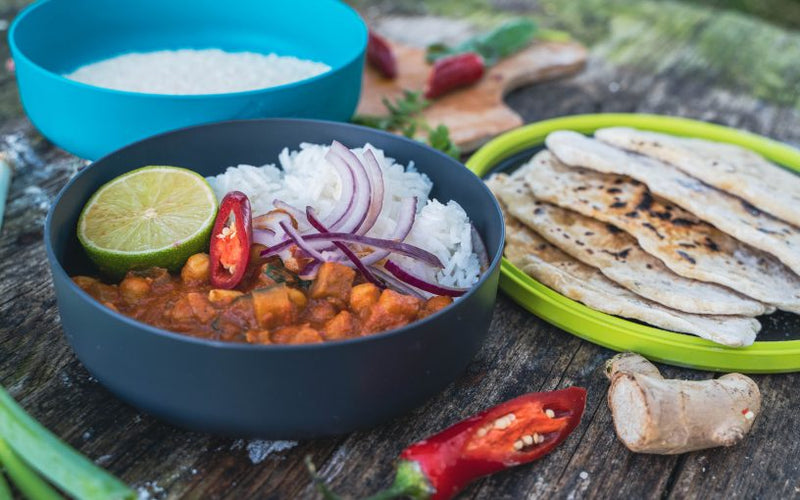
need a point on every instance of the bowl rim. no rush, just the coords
(18, 52)
(57, 268)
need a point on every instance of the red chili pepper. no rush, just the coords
(455, 71)
(381, 56)
(231, 239)
(513, 433)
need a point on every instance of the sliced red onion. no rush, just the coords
(375, 175)
(405, 221)
(347, 178)
(294, 212)
(362, 190)
(312, 219)
(397, 285)
(264, 237)
(276, 248)
(298, 240)
(309, 272)
(479, 248)
(393, 246)
(422, 284)
(389, 245)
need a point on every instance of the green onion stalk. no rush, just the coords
(26, 447)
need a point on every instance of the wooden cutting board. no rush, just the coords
(477, 113)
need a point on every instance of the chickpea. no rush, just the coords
(196, 269)
(133, 288)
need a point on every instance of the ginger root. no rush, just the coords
(655, 415)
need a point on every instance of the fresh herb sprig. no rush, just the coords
(492, 46)
(405, 117)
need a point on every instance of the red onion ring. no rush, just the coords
(347, 179)
(298, 240)
(362, 190)
(422, 284)
(479, 248)
(294, 212)
(393, 246)
(407, 215)
(375, 175)
(312, 219)
(397, 285)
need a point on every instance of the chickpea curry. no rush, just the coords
(270, 305)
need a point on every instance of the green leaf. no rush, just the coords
(492, 46)
(405, 118)
(52, 458)
(439, 138)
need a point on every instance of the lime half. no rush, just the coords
(151, 216)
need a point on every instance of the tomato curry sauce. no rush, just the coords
(270, 306)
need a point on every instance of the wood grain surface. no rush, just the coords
(522, 353)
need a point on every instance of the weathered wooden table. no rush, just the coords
(522, 353)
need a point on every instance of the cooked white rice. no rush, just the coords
(307, 179)
(188, 71)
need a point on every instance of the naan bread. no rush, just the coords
(685, 244)
(722, 210)
(730, 168)
(577, 281)
(618, 256)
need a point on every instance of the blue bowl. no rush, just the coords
(54, 37)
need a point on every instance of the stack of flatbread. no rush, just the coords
(687, 235)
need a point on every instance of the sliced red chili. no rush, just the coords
(231, 239)
(512, 433)
(453, 72)
(381, 56)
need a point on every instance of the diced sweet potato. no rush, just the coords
(334, 281)
(341, 326)
(273, 307)
(391, 311)
(399, 304)
(296, 334)
(434, 304)
(363, 297)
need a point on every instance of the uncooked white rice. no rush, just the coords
(306, 178)
(188, 71)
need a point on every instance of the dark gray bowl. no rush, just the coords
(270, 391)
